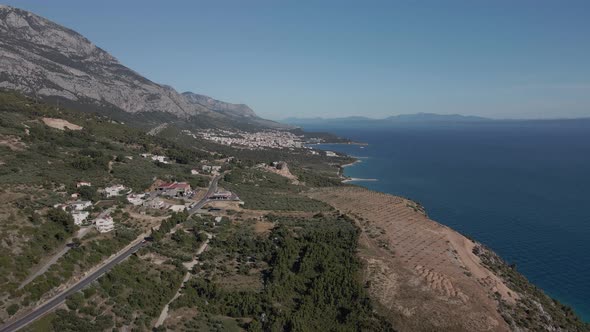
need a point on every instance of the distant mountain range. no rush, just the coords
(417, 119)
(391, 120)
(50, 62)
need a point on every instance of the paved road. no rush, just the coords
(202, 202)
(85, 281)
(58, 299)
(81, 233)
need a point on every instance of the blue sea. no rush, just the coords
(521, 188)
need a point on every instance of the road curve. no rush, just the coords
(54, 302)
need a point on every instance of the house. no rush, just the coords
(79, 216)
(80, 205)
(331, 154)
(154, 203)
(177, 207)
(218, 219)
(104, 222)
(221, 195)
(206, 168)
(114, 190)
(174, 189)
(136, 199)
(194, 172)
(83, 184)
(161, 159)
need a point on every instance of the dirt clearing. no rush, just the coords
(60, 124)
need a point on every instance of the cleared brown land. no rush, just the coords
(423, 275)
(60, 124)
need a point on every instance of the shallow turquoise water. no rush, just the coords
(522, 189)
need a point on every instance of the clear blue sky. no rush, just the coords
(501, 59)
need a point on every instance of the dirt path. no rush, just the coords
(187, 276)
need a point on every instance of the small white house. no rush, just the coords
(114, 190)
(136, 199)
(331, 154)
(83, 184)
(80, 205)
(154, 203)
(161, 159)
(218, 219)
(177, 207)
(104, 223)
(206, 168)
(194, 172)
(79, 216)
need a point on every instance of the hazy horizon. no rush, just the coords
(501, 60)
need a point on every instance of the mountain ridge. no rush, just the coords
(45, 60)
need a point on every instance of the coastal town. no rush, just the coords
(250, 140)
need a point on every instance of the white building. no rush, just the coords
(104, 223)
(79, 216)
(80, 205)
(331, 154)
(161, 159)
(136, 199)
(194, 172)
(83, 184)
(154, 203)
(177, 208)
(114, 190)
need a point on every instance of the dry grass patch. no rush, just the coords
(60, 124)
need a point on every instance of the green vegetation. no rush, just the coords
(267, 191)
(78, 259)
(310, 281)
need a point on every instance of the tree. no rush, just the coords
(88, 193)
(12, 309)
(63, 218)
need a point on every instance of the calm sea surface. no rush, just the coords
(522, 189)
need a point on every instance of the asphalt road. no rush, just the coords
(58, 299)
(202, 202)
(85, 281)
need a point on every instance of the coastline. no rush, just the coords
(348, 179)
(460, 278)
(504, 272)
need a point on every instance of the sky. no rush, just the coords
(498, 59)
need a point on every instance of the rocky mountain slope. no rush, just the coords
(43, 59)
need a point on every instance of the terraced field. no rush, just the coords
(423, 274)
